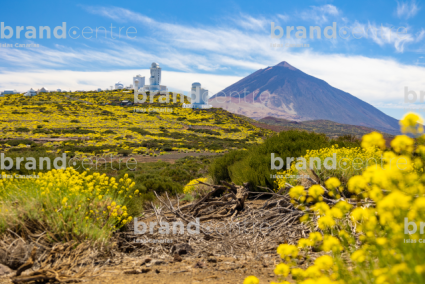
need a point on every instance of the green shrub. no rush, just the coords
(139, 130)
(206, 131)
(232, 130)
(16, 142)
(219, 169)
(188, 197)
(125, 153)
(159, 183)
(22, 129)
(72, 131)
(254, 165)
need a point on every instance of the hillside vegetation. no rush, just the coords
(82, 124)
(254, 164)
(330, 128)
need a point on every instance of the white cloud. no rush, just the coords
(382, 35)
(407, 10)
(118, 14)
(79, 80)
(319, 14)
(329, 9)
(250, 23)
(284, 18)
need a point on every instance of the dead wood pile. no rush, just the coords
(227, 222)
(32, 257)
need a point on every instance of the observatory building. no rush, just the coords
(154, 80)
(42, 90)
(119, 86)
(9, 92)
(199, 97)
(30, 93)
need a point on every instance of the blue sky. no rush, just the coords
(218, 43)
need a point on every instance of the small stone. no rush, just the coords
(5, 270)
(158, 262)
(199, 265)
(177, 257)
(146, 260)
(133, 271)
(182, 249)
(212, 260)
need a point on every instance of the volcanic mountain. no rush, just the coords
(283, 91)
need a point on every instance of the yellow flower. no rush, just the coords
(360, 213)
(343, 206)
(330, 243)
(303, 243)
(326, 222)
(321, 207)
(402, 143)
(420, 269)
(298, 273)
(315, 237)
(297, 192)
(412, 122)
(313, 272)
(358, 256)
(285, 250)
(325, 262)
(282, 269)
(251, 280)
(373, 139)
(381, 241)
(332, 183)
(315, 191)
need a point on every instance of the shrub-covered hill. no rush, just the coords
(90, 124)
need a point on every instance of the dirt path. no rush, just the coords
(226, 270)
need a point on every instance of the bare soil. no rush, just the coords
(226, 270)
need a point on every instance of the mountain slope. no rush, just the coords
(283, 91)
(330, 128)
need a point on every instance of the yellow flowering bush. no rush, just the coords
(190, 187)
(373, 235)
(348, 162)
(69, 204)
(412, 123)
